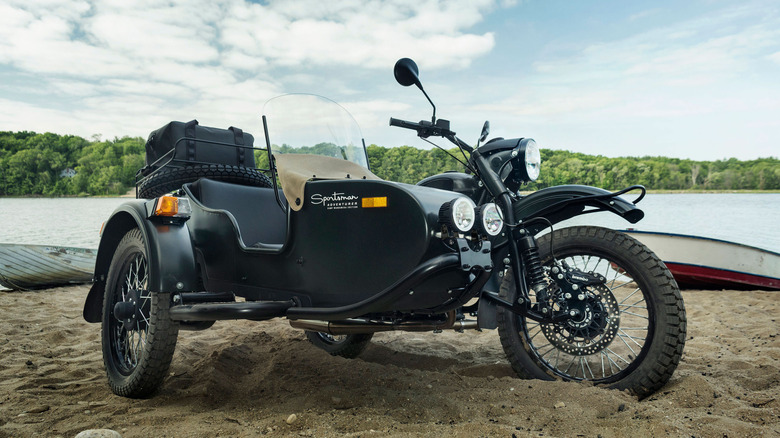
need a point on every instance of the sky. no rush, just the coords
(698, 79)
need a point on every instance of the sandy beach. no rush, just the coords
(246, 379)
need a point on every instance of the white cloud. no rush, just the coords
(362, 34)
(116, 60)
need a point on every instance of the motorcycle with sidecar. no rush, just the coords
(302, 229)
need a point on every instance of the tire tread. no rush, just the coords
(662, 359)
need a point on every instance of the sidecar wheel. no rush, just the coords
(138, 335)
(349, 346)
(169, 179)
(633, 331)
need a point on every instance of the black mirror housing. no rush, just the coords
(485, 131)
(407, 73)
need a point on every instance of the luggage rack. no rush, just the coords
(169, 159)
(141, 175)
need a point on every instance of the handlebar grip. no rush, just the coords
(404, 124)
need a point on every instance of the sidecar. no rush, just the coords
(316, 238)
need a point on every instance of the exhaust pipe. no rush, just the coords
(357, 326)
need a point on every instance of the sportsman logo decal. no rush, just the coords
(336, 201)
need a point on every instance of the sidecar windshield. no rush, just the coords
(311, 124)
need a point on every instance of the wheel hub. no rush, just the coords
(592, 328)
(129, 311)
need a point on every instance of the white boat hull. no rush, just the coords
(705, 263)
(35, 266)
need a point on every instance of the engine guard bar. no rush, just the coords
(383, 300)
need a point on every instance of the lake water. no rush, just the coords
(751, 219)
(55, 221)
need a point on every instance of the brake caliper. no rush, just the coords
(593, 312)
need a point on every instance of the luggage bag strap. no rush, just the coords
(189, 132)
(238, 137)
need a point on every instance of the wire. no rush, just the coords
(453, 156)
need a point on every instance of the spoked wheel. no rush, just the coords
(629, 329)
(139, 337)
(349, 346)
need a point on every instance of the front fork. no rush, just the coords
(523, 257)
(526, 268)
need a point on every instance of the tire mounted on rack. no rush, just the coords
(169, 179)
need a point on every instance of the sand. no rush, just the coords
(247, 379)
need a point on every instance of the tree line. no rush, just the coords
(34, 164)
(409, 165)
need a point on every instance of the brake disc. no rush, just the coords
(593, 329)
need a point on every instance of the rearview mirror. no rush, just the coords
(406, 73)
(485, 131)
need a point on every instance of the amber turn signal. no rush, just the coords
(375, 202)
(171, 206)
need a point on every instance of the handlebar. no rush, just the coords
(405, 124)
(427, 129)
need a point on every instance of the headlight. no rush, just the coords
(491, 218)
(458, 214)
(531, 158)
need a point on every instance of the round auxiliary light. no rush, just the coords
(491, 218)
(458, 214)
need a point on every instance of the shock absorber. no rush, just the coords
(529, 251)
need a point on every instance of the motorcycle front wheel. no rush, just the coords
(631, 328)
(138, 335)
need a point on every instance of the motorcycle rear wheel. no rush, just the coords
(138, 335)
(635, 334)
(348, 346)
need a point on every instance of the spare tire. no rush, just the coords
(169, 179)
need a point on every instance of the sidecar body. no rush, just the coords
(321, 239)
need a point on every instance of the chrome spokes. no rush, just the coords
(598, 354)
(130, 338)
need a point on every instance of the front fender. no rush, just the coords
(170, 255)
(563, 202)
(559, 203)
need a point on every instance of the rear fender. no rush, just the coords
(170, 255)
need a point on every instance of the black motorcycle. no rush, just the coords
(320, 240)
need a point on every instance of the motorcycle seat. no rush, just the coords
(255, 214)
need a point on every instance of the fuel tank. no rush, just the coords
(454, 181)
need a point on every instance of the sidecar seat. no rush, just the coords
(260, 221)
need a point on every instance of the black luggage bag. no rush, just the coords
(194, 144)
